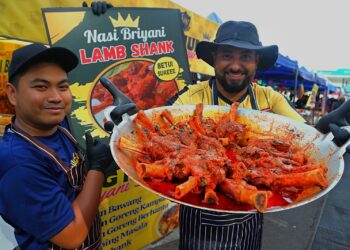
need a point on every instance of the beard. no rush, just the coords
(234, 86)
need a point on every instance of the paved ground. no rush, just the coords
(289, 230)
(333, 231)
(170, 242)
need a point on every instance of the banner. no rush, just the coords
(23, 20)
(7, 47)
(311, 101)
(141, 51)
(5, 106)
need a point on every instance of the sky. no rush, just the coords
(316, 33)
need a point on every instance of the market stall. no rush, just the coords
(308, 91)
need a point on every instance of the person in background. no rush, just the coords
(291, 95)
(286, 95)
(301, 103)
(47, 194)
(338, 102)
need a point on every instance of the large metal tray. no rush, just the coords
(318, 145)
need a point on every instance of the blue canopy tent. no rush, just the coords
(321, 81)
(287, 72)
(311, 78)
(307, 75)
(285, 63)
(330, 86)
(284, 71)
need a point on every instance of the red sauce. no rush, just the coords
(225, 203)
(231, 155)
(276, 200)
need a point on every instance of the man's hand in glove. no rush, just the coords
(122, 104)
(335, 122)
(98, 154)
(341, 134)
(338, 117)
(99, 7)
(117, 113)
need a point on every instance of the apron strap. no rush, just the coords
(252, 96)
(93, 240)
(69, 135)
(215, 95)
(214, 92)
(48, 151)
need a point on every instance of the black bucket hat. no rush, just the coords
(35, 53)
(242, 35)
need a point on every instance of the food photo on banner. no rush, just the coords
(142, 53)
(6, 109)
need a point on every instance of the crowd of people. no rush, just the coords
(56, 197)
(312, 109)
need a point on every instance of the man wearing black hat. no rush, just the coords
(236, 54)
(46, 194)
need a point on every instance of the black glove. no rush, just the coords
(98, 154)
(122, 103)
(117, 113)
(339, 117)
(99, 7)
(341, 135)
(348, 149)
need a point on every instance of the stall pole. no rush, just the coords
(324, 102)
(295, 84)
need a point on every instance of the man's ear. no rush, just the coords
(11, 92)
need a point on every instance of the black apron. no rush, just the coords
(76, 177)
(201, 229)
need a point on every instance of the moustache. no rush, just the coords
(54, 107)
(235, 72)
